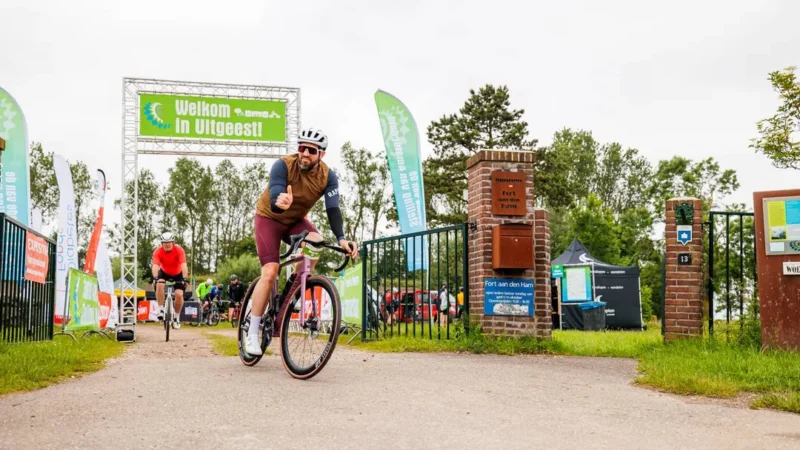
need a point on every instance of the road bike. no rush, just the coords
(212, 314)
(169, 290)
(234, 318)
(313, 323)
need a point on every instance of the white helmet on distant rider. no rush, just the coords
(167, 237)
(312, 136)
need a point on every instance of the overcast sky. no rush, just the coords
(677, 78)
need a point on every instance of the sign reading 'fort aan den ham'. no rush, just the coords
(508, 193)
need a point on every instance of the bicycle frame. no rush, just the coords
(299, 282)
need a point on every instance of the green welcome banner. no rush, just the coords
(14, 183)
(350, 294)
(200, 117)
(401, 138)
(84, 306)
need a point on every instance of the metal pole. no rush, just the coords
(465, 256)
(364, 296)
(728, 266)
(711, 245)
(741, 271)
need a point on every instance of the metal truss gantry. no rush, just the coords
(133, 145)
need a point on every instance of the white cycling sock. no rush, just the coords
(255, 324)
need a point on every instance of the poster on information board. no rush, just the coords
(782, 225)
(576, 286)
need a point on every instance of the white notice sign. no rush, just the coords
(791, 268)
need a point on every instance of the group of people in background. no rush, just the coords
(208, 292)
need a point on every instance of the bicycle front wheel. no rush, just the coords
(168, 317)
(307, 343)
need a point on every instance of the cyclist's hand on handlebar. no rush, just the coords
(350, 248)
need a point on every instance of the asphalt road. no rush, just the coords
(180, 395)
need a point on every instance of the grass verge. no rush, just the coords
(29, 366)
(223, 345)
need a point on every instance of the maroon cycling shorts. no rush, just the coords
(270, 233)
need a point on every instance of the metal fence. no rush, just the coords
(26, 307)
(732, 283)
(404, 279)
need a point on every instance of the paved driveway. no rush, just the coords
(158, 396)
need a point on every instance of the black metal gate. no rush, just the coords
(731, 266)
(26, 307)
(404, 279)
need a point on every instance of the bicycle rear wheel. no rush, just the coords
(244, 325)
(307, 343)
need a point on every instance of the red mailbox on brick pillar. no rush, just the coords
(683, 299)
(509, 291)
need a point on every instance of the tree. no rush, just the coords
(44, 187)
(778, 135)
(484, 122)
(188, 197)
(148, 225)
(681, 177)
(246, 266)
(594, 225)
(366, 176)
(378, 202)
(622, 178)
(83, 185)
(565, 170)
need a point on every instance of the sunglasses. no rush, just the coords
(310, 150)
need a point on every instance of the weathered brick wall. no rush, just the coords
(683, 301)
(479, 175)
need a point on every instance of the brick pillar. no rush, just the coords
(683, 300)
(479, 173)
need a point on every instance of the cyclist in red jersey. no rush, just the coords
(169, 264)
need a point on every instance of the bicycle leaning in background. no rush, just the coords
(312, 324)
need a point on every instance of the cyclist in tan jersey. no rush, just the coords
(296, 183)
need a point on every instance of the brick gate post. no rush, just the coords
(683, 299)
(488, 215)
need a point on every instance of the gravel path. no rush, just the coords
(156, 396)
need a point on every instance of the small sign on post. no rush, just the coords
(684, 234)
(684, 259)
(508, 297)
(557, 271)
(791, 268)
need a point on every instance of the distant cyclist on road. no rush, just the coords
(203, 288)
(296, 183)
(235, 294)
(169, 264)
(215, 293)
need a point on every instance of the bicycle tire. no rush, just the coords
(246, 358)
(305, 373)
(214, 318)
(168, 317)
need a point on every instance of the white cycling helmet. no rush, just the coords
(312, 136)
(209, 281)
(167, 237)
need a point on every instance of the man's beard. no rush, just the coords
(309, 166)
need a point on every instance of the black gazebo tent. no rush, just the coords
(617, 286)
